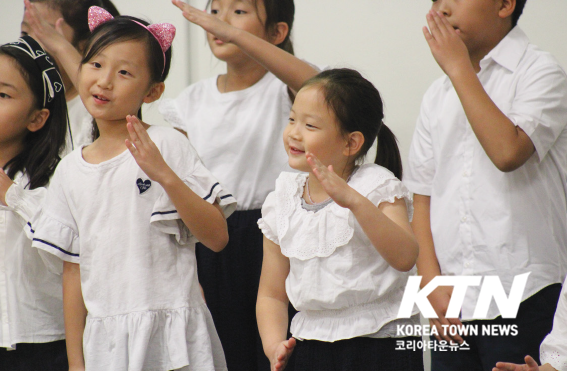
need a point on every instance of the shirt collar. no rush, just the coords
(509, 51)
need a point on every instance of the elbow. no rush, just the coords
(507, 165)
(511, 160)
(219, 242)
(409, 258)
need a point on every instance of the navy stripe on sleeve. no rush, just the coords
(56, 247)
(164, 212)
(31, 229)
(225, 196)
(211, 192)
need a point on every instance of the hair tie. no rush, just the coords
(164, 33)
(52, 81)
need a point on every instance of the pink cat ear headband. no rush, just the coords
(163, 32)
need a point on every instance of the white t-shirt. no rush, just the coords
(81, 123)
(238, 135)
(137, 258)
(486, 222)
(553, 350)
(31, 302)
(339, 283)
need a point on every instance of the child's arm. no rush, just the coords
(53, 41)
(507, 145)
(288, 68)
(271, 307)
(530, 365)
(205, 221)
(428, 267)
(75, 315)
(387, 226)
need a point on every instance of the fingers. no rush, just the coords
(455, 322)
(531, 363)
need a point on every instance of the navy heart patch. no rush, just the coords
(143, 185)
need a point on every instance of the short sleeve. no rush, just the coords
(553, 350)
(268, 222)
(389, 191)
(53, 229)
(171, 113)
(183, 159)
(540, 105)
(421, 162)
(23, 201)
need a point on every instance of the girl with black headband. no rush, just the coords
(33, 122)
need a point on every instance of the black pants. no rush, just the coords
(35, 357)
(534, 321)
(357, 354)
(230, 281)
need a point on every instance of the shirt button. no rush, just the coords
(464, 219)
(465, 174)
(467, 265)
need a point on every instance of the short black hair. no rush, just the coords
(520, 4)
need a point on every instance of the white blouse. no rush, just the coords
(238, 134)
(553, 350)
(137, 258)
(31, 302)
(339, 283)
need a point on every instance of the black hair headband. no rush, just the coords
(52, 81)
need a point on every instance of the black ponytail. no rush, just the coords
(357, 105)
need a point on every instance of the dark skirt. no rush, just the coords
(35, 356)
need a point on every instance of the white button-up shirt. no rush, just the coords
(484, 221)
(31, 305)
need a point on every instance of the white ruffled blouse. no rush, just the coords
(137, 258)
(553, 350)
(339, 283)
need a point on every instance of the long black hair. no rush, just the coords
(357, 106)
(125, 28)
(40, 154)
(277, 11)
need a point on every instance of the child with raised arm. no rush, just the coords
(235, 121)
(125, 212)
(67, 20)
(487, 167)
(337, 238)
(33, 122)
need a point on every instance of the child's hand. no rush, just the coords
(281, 355)
(222, 30)
(335, 186)
(48, 36)
(447, 48)
(530, 365)
(5, 183)
(145, 152)
(439, 299)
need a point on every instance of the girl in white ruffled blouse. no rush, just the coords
(337, 238)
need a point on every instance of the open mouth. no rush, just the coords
(100, 98)
(295, 151)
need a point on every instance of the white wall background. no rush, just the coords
(380, 38)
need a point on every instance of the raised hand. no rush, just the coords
(5, 183)
(281, 355)
(446, 45)
(530, 365)
(335, 186)
(222, 30)
(145, 152)
(50, 37)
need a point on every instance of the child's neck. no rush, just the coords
(240, 76)
(109, 144)
(9, 151)
(482, 51)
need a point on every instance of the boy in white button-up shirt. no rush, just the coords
(487, 165)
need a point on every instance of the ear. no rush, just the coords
(279, 33)
(355, 141)
(507, 8)
(155, 92)
(38, 119)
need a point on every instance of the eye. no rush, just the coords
(124, 73)
(309, 126)
(239, 11)
(4, 96)
(214, 11)
(96, 65)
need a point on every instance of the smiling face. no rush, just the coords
(17, 103)
(242, 14)
(313, 128)
(481, 23)
(115, 83)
